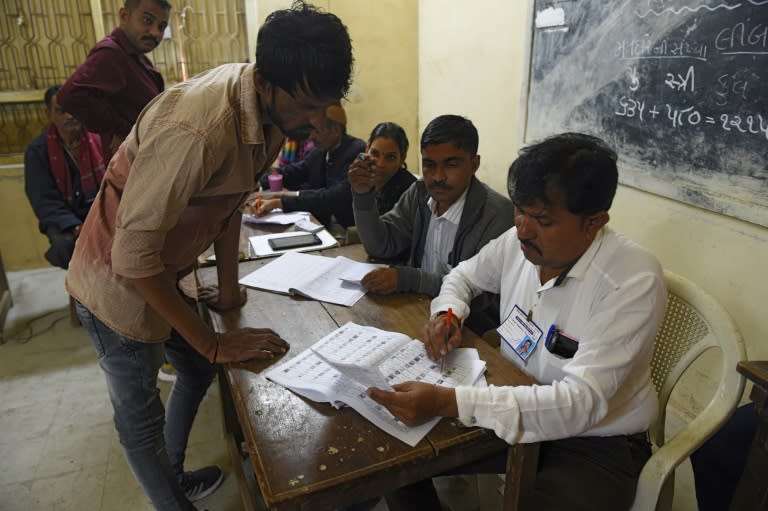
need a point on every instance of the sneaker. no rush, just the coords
(167, 373)
(198, 484)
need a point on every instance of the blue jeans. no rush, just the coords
(154, 440)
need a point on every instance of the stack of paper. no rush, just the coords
(342, 365)
(327, 279)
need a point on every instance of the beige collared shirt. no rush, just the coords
(192, 158)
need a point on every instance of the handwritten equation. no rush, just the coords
(755, 124)
(728, 88)
(679, 87)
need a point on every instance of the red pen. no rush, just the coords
(448, 319)
(258, 202)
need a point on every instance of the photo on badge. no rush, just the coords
(525, 347)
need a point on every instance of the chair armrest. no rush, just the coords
(667, 457)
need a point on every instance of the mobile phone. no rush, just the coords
(300, 240)
(367, 159)
(561, 345)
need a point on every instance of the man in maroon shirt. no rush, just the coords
(116, 81)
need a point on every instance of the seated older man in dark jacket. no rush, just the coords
(318, 183)
(63, 168)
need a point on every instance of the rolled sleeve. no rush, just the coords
(136, 254)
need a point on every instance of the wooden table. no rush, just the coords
(310, 456)
(752, 491)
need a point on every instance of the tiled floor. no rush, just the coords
(58, 447)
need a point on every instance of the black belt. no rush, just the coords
(638, 437)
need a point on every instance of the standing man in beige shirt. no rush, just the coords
(173, 188)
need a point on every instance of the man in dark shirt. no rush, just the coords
(319, 181)
(63, 168)
(116, 81)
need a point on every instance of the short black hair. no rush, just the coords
(304, 48)
(48, 97)
(393, 131)
(455, 129)
(583, 167)
(132, 4)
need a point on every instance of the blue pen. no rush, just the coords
(550, 335)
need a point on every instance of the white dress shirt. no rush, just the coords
(612, 301)
(441, 234)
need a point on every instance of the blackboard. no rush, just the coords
(678, 87)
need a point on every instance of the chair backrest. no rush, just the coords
(694, 323)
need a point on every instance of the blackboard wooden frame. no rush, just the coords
(731, 184)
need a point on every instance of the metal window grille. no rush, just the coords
(43, 41)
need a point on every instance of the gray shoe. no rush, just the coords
(198, 484)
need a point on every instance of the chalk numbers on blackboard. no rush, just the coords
(678, 87)
(738, 39)
(755, 124)
(680, 117)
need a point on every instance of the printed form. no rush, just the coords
(327, 279)
(340, 367)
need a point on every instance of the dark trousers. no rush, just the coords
(62, 246)
(574, 474)
(719, 463)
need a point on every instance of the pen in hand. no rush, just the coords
(258, 202)
(448, 319)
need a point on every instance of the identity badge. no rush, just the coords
(519, 335)
(525, 347)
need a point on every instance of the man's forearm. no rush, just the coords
(226, 248)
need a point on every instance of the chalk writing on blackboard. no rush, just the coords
(679, 87)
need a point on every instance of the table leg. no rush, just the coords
(522, 463)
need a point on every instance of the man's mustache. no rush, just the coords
(531, 245)
(438, 185)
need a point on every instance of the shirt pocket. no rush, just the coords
(552, 365)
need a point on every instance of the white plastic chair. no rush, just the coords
(694, 323)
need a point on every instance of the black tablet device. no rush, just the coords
(300, 240)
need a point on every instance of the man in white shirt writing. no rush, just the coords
(589, 301)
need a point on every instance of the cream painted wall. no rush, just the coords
(472, 62)
(384, 40)
(469, 64)
(21, 243)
